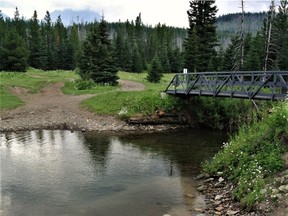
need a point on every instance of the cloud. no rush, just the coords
(6, 4)
(170, 12)
(232, 6)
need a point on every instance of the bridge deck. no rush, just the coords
(260, 85)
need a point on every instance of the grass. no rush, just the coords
(33, 80)
(8, 101)
(253, 155)
(107, 100)
(127, 104)
(141, 77)
(69, 88)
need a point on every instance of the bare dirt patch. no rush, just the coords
(131, 86)
(51, 109)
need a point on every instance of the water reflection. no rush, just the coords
(186, 148)
(64, 173)
(99, 148)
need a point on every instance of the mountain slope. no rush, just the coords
(230, 24)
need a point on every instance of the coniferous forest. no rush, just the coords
(134, 47)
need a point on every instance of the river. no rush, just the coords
(58, 172)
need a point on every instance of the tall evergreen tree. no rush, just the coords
(152, 46)
(139, 34)
(137, 63)
(155, 71)
(201, 35)
(20, 25)
(2, 35)
(60, 45)
(98, 62)
(14, 54)
(230, 58)
(73, 48)
(191, 53)
(255, 53)
(281, 36)
(123, 53)
(35, 42)
(164, 60)
(48, 57)
(176, 60)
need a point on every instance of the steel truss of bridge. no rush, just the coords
(260, 85)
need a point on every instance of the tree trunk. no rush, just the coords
(268, 34)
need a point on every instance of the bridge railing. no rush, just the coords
(268, 85)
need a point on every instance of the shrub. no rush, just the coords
(227, 114)
(84, 84)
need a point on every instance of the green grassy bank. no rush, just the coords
(252, 156)
(128, 103)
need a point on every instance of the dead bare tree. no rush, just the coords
(239, 48)
(268, 35)
(242, 36)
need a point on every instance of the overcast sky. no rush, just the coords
(170, 12)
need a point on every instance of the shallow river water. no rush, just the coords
(63, 173)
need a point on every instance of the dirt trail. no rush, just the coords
(50, 108)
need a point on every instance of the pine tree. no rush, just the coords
(201, 35)
(164, 60)
(60, 44)
(73, 48)
(35, 42)
(20, 25)
(14, 53)
(191, 53)
(137, 63)
(155, 71)
(48, 57)
(98, 62)
(123, 53)
(176, 60)
(139, 34)
(255, 54)
(230, 58)
(2, 35)
(281, 36)
(152, 46)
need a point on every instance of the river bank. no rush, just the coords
(219, 197)
(51, 109)
(60, 119)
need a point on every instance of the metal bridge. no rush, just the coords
(261, 85)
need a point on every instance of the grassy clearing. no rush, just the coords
(109, 99)
(127, 104)
(33, 80)
(142, 79)
(253, 155)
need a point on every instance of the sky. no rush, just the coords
(169, 12)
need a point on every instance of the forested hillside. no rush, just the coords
(229, 25)
(49, 45)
